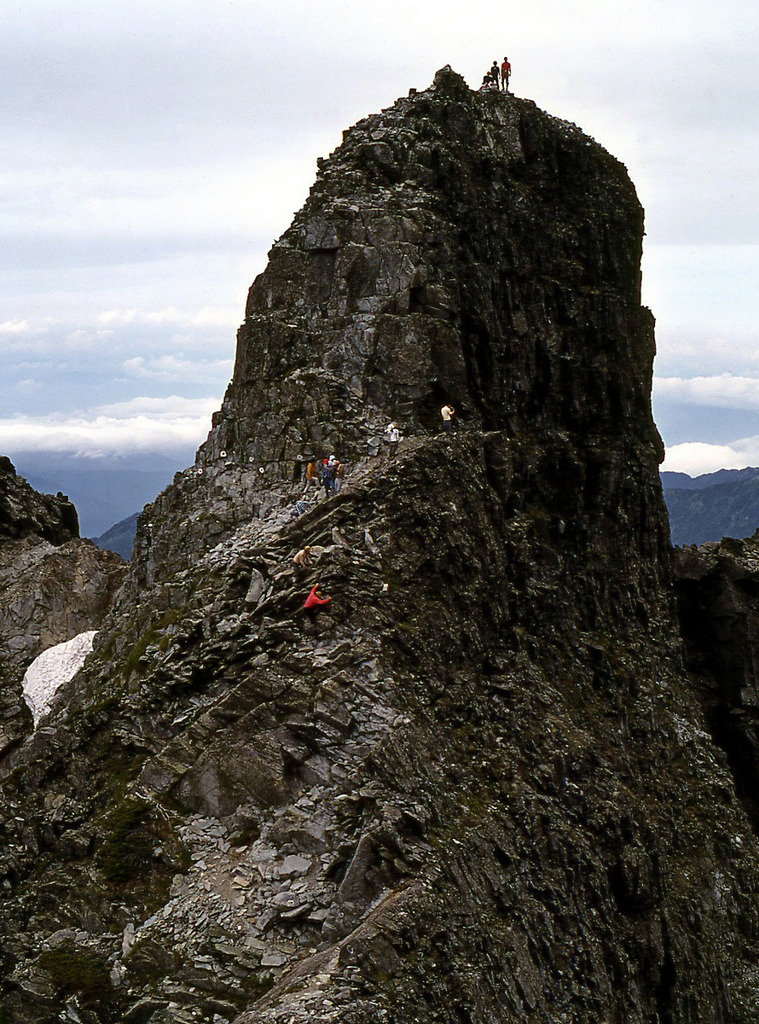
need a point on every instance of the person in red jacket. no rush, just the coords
(505, 74)
(314, 601)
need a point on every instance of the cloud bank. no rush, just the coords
(142, 424)
(723, 390)
(698, 457)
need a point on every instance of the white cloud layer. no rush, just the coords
(23, 328)
(142, 424)
(208, 316)
(697, 457)
(177, 367)
(721, 391)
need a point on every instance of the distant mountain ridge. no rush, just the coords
(120, 537)
(105, 490)
(712, 506)
(682, 481)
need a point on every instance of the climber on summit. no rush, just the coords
(505, 74)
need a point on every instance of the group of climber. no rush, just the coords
(394, 435)
(328, 473)
(497, 77)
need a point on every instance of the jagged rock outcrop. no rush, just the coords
(53, 585)
(479, 785)
(717, 589)
(24, 512)
(458, 246)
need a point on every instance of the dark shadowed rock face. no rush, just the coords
(717, 588)
(458, 247)
(52, 586)
(479, 786)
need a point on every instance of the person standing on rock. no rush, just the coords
(327, 479)
(447, 412)
(393, 437)
(337, 483)
(505, 74)
(495, 74)
(312, 477)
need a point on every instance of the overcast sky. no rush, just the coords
(154, 149)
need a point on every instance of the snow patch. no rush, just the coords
(51, 669)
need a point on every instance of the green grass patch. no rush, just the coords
(153, 636)
(129, 842)
(77, 972)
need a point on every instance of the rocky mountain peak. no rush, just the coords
(479, 784)
(433, 261)
(459, 247)
(25, 512)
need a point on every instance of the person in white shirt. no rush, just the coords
(447, 412)
(393, 437)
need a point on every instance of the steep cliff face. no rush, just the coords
(461, 247)
(52, 586)
(479, 785)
